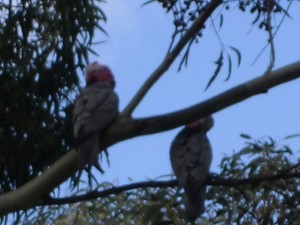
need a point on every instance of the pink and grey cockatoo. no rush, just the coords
(95, 109)
(191, 156)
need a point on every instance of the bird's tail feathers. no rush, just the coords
(88, 151)
(195, 205)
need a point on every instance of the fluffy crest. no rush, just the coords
(96, 72)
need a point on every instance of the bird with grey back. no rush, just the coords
(95, 109)
(191, 157)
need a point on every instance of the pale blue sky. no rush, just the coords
(137, 42)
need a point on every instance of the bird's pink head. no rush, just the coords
(205, 124)
(95, 72)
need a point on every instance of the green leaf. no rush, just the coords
(257, 18)
(185, 57)
(221, 20)
(148, 2)
(238, 53)
(292, 136)
(246, 136)
(256, 163)
(246, 151)
(219, 63)
(229, 67)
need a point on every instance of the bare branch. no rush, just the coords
(259, 85)
(270, 5)
(231, 182)
(212, 180)
(286, 14)
(34, 192)
(171, 56)
(112, 191)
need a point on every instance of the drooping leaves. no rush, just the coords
(43, 46)
(185, 12)
(219, 64)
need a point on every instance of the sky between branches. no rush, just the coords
(138, 40)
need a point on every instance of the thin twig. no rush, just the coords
(212, 181)
(277, 29)
(271, 37)
(112, 191)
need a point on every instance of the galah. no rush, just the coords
(95, 109)
(191, 157)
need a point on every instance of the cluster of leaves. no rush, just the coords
(186, 11)
(43, 45)
(263, 10)
(259, 200)
(136, 207)
(262, 200)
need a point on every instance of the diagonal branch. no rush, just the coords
(259, 85)
(171, 56)
(34, 192)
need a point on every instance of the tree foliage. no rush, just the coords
(247, 194)
(267, 15)
(43, 46)
(264, 201)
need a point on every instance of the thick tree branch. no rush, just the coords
(33, 193)
(171, 56)
(259, 85)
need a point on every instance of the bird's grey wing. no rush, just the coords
(94, 110)
(178, 154)
(199, 158)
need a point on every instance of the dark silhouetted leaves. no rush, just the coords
(219, 64)
(43, 46)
